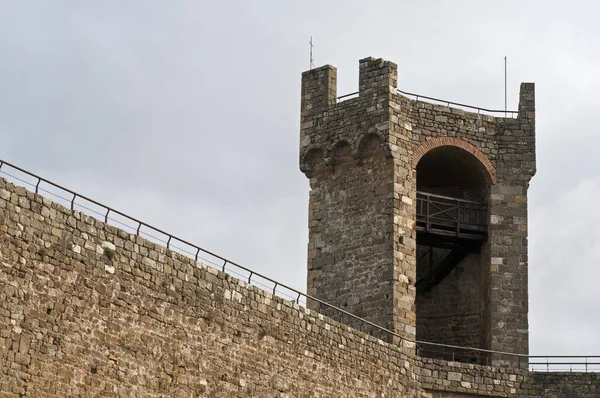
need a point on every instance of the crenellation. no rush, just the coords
(409, 130)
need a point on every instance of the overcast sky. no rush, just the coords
(185, 114)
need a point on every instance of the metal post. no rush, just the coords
(457, 218)
(312, 60)
(427, 223)
(505, 77)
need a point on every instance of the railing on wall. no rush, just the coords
(445, 215)
(564, 363)
(535, 363)
(346, 96)
(507, 113)
(76, 201)
(418, 97)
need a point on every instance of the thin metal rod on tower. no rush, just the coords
(505, 106)
(312, 60)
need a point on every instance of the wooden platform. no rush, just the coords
(451, 217)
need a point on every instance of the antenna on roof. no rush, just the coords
(505, 86)
(312, 60)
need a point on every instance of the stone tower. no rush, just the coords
(418, 212)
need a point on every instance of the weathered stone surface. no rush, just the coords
(89, 310)
(150, 322)
(75, 323)
(361, 156)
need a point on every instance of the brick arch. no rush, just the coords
(451, 141)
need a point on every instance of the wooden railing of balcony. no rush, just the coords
(444, 215)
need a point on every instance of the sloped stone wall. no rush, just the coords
(87, 310)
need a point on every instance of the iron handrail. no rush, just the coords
(198, 248)
(252, 273)
(559, 366)
(345, 96)
(448, 103)
(437, 211)
(564, 356)
(433, 195)
(564, 363)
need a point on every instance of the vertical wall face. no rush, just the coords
(353, 254)
(505, 148)
(361, 156)
(515, 163)
(351, 233)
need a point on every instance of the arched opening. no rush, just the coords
(452, 215)
(452, 171)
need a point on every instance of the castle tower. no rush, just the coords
(418, 212)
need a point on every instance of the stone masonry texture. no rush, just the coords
(362, 155)
(88, 310)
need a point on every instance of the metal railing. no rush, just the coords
(107, 214)
(198, 253)
(346, 96)
(512, 114)
(450, 216)
(564, 363)
(417, 97)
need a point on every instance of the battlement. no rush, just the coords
(367, 158)
(380, 109)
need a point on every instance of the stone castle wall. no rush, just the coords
(408, 130)
(370, 250)
(353, 228)
(506, 148)
(90, 310)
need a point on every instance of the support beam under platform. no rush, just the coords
(442, 269)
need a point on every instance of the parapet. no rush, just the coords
(404, 122)
(372, 157)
